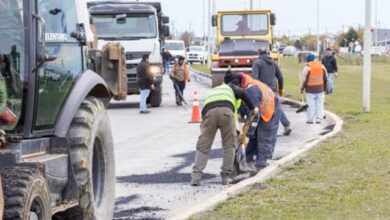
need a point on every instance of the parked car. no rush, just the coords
(290, 51)
(197, 54)
(176, 48)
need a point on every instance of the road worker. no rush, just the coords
(314, 81)
(219, 113)
(263, 139)
(180, 76)
(267, 71)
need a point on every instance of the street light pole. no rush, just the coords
(318, 27)
(376, 24)
(209, 33)
(367, 59)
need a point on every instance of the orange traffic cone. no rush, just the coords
(196, 118)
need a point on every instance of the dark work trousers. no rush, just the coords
(262, 144)
(283, 118)
(181, 85)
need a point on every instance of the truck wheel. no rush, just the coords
(92, 159)
(26, 194)
(155, 97)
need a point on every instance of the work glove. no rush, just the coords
(241, 139)
(281, 92)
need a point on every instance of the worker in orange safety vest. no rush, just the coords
(314, 80)
(263, 133)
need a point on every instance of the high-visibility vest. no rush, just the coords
(223, 93)
(267, 106)
(184, 68)
(316, 75)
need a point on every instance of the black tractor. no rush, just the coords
(56, 147)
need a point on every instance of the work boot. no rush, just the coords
(287, 131)
(226, 179)
(144, 112)
(178, 100)
(195, 179)
(195, 182)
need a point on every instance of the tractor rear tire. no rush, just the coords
(92, 161)
(26, 194)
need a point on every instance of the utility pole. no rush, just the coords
(209, 33)
(376, 24)
(367, 59)
(203, 19)
(318, 28)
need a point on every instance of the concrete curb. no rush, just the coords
(266, 173)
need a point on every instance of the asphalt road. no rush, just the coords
(154, 154)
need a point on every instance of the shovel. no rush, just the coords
(303, 107)
(240, 163)
(178, 90)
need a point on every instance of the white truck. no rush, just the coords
(176, 48)
(197, 54)
(140, 28)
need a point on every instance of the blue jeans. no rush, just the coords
(166, 67)
(315, 101)
(262, 143)
(330, 85)
(144, 94)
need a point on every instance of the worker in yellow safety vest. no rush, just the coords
(219, 113)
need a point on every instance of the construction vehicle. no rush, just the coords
(56, 147)
(239, 35)
(140, 28)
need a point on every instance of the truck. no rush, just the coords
(56, 146)
(141, 29)
(239, 35)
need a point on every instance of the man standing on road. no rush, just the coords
(166, 56)
(267, 71)
(219, 113)
(330, 63)
(314, 81)
(145, 83)
(262, 141)
(180, 76)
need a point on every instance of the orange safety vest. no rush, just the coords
(267, 106)
(185, 71)
(316, 75)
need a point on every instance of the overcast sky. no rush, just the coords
(293, 16)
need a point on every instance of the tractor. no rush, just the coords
(56, 146)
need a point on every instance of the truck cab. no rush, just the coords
(140, 28)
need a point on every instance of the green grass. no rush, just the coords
(347, 177)
(201, 67)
